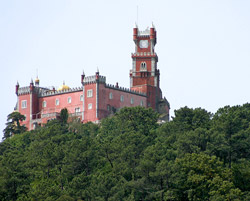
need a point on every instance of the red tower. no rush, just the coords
(144, 76)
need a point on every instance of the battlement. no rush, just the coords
(93, 78)
(149, 33)
(43, 92)
(52, 92)
(123, 89)
(23, 91)
(26, 90)
(146, 32)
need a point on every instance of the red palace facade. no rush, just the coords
(95, 99)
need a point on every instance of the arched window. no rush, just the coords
(143, 66)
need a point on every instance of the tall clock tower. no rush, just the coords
(144, 76)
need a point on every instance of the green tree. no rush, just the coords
(130, 157)
(241, 174)
(230, 133)
(201, 177)
(64, 115)
(138, 119)
(189, 119)
(13, 125)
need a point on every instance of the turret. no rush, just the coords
(17, 87)
(31, 85)
(153, 34)
(135, 31)
(82, 77)
(37, 81)
(97, 74)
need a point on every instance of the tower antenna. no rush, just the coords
(137, 11)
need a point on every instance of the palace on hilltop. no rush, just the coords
(95, 99)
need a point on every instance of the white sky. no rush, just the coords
(203, 46)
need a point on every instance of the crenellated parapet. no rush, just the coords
(28, 90)
(23, 91)
(145, 33)
(54, 92)
(123, 89)
(93, 79)
(43, 92)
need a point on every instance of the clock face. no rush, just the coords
(143, 43)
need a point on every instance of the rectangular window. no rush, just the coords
(132, 101)
(90, 93)
(57, 101)
(44, 104)
(90, 106)
(81, 98)
(69, 99)
(24, 103)
(122, 98)
(141, 102)
(110, 95)
(77, 110)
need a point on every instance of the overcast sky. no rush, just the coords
(203, 46)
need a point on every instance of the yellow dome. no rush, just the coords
(63, 87)
(37, 80)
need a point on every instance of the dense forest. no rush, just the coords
(129, 156)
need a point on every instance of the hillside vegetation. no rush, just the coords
(196, 156)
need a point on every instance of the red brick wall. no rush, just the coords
(35, 105)
(115, 102)
(90, 114)
(63, 102)
(153, 94)
(143, 81)
(24, 111)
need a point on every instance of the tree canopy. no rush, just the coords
(13, 125)
(197, 156)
